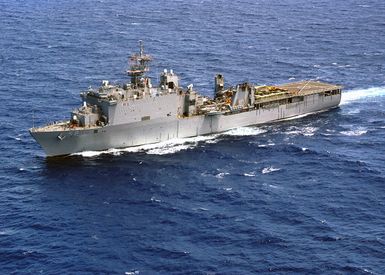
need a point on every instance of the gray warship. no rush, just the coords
(138, 113)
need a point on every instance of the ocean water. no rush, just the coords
(299, 196)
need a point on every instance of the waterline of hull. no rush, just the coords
(58, 143)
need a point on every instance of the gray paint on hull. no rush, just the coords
(163, 129)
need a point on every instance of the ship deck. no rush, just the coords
(300, 88)
(308, 87)
(61, 127)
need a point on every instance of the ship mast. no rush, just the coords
(139, 66)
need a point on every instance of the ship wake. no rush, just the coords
(162, 148)
(361, 94)
(175, 145)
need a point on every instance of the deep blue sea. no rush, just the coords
(298, 196)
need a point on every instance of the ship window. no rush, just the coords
(145, 118)
(328, 93)
(271, 104)
(95, 131)
(336, 92)
(171, 85)
(290, 100)
(298, 99)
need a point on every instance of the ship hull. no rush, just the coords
(58, 143)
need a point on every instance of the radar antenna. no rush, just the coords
(139, 66)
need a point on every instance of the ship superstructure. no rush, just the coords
(137, 113)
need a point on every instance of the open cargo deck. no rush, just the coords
(308, 87)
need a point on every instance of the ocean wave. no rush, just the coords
(6, 232)
(305, 131)
(251, 174)
(273, 186)
(356, 132)
(266, 145)
(221, 175)
(269, 169)
(245, 131)
(353, 111)
(360, 94)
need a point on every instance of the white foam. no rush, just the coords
(269, 169)
(88, 154)
(162, 148)
(169, 149)
(269, 143)
(353, 111)
(361, 94)
(252, 174)
(245, 131)
(221, 175)
(153, 199)
(356, 132)
(175, 145)
(309, 131)
(305, 131)
(211, 141)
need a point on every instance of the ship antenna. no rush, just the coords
(138, 66)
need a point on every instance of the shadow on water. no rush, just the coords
(109, 169)
(78, 183)
(80, 171)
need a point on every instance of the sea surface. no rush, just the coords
(298, 196)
